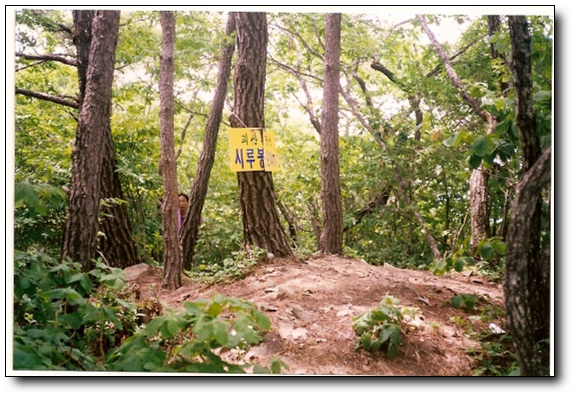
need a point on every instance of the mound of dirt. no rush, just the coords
(312, 304)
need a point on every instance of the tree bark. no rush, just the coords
(527, 291)
(80, 235)
(82, 21)
(260, 219)
(331, 239)
(199, 189)
(172, 253)
(494, 23)
(527, 300)
(117, 245)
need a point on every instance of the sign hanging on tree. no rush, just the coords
(252, 149)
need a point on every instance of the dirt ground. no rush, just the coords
(312, 303)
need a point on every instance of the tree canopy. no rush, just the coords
(422, 111)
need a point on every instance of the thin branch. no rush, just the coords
(49, 57)
(183, 135)
(364, 89)
(292, 71)
(50, 24)
(438, 68)
(307, 46)
(468, 99)
(62, 100)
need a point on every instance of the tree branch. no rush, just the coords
(468, 99)
(438, 68)
(62, 100)
(49, 57)
(307, 46)
(299, 75)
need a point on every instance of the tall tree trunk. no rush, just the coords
(117, 245)
(172, 253)
(494, 23)
(82, 21)
(260, 219)
(331, 239)
(527, 293)
(80, 235)
(200, 185)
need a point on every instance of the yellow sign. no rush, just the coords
(271, 162)
(252, 149)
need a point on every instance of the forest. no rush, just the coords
(307, 193)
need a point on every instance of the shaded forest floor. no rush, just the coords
(311, 305)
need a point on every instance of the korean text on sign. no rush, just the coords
(252, 149)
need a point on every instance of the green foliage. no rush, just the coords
(495, 357)
(446, 265)
(237, 267)
(190, 340)
(39, 215)
(466, 301)
(435, 169)
(381, 328)
(65, 319)
(495, 354)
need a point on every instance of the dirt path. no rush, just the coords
(311, 305)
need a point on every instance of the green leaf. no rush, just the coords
(392, 350)
(470, 301)
(70, 295)
(366, 340)
(467, 260)
(481, 146)
(220, 331)
(25, 194)
(459, 265)
(154, 325)
(542, 95)
(456, 301)
(220, 299)
(73, 320)
(385, 333)
(474, 161)
(112, 316)
(261, 369)
(395, 335)
(454, 140)
(277, 365)
(214, 309)
(499, 247)
(262, 320)
(486, 250)
(203, 329)
(26, 359)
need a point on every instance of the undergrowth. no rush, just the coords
(495, 353)
(66, 319)
(381, 328)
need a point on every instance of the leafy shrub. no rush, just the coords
(39, 214)
(65, 318)
(495, 356)
(192, 339)
(466, 301)
(380, 328)
(237, 267)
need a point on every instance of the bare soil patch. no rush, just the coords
(312, 303)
